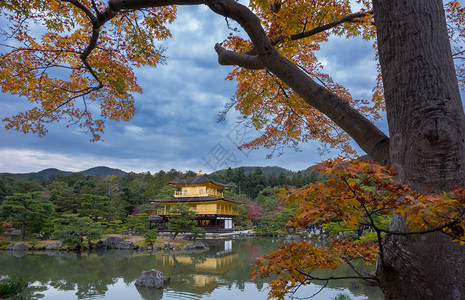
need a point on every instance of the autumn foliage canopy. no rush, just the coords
(67, 56)
(360, 194)
(74, 60)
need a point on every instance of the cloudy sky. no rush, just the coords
(175, 125)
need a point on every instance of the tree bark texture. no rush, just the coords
(426, 126)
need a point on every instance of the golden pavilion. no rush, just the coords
(214, 213)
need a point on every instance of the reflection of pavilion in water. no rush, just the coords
(202, 270)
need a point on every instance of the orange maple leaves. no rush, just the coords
(455, 14)
(297, 29)
(63, 56)
(357, 194)
(295, 262)
(66, 56)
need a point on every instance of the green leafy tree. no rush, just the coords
(71, 180)
(229, 175)
(90, 184)
(64, 197)
(339, 228)
(240, 179)
(282, 179)
(198, 233)
(282, 218)
(165, 192)
(5, 187)
(188, 174)
(145, 209)
(150, 186)
(242, 219)
(342, 296)
(267, 200)
(96, 207)
(71, 229)
(137, 222)
(113, 226)
(141, 222)
(265, 224)
(31, 210)
(181, 219)
(116, 195)
(33, 242)
(24, 186)
(151, 236)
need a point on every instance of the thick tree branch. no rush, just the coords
(97, 23)
(366, 134)
(439, 228)
(372, 140)
(228, 57)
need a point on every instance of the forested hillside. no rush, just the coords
(121, 202)
(251, 180)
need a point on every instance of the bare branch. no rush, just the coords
(333, 277)
(117, 5)
(316, 30)
(346, 19)
(82, 7)
(94, 5)
(373, 279)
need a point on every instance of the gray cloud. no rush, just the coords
(175, 125)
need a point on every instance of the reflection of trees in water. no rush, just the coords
(199, 258)
(32, 292)
(363, 289)
(90, 274)
(150, 294)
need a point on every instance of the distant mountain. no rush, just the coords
(104, 172)
(47, 173)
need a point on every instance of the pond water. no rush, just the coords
(220, 273)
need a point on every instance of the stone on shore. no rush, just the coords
(196, 246)
(53, 246)
(17, 247)
(114, 242)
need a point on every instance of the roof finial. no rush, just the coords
(200, 173)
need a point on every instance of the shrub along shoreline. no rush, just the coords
(110, 241)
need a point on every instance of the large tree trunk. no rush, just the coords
(426, 126)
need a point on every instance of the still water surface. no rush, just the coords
(221, 273)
